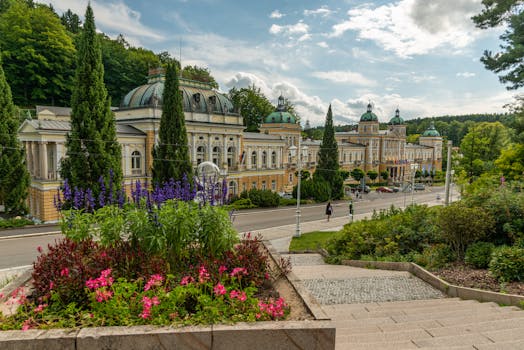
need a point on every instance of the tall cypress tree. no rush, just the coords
(171, 155)
(92, 147)
(328, 166)
(14, 177)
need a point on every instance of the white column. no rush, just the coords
(59, 155)
(224, 152)
(210, 148)
(193, 149)
(43, 164)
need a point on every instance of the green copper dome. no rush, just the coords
(431, 131)
(369, 116)
(196, 96)
(281, 115)
(397, 119)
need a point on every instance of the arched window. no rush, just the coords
(201, 153)
(274, 159)
(136, 163)
(264, 159)
(216, 155)
(254, 159)
(230, 156)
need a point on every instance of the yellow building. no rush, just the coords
(265, 160)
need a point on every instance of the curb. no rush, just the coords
(31, 235)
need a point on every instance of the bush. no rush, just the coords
(242, 203)
(478, 254)
(507, 264)
(262, 198)
(66, 266)
(14, 222)
(435, 256)
(316, 189)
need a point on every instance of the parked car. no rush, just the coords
(384, 189)
(395, 188)
(419, 187)
(367, 189)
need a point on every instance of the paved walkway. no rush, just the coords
(379, 309)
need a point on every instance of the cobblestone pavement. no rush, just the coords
(335, 284)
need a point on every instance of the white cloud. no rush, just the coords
(417, 79)
(345, 77)
(414, 27)
(323, 11)
(276, 14)
(323, 44)
(298, 28)
(305, 37)
(112, 18)
(465, 74)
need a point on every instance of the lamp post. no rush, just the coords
(414, 168)
(299, 167)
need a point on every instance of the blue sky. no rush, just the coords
(421, 56)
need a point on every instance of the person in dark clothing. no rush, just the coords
(329, 210)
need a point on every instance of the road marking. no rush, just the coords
(31, 235)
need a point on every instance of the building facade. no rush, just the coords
(265, 160)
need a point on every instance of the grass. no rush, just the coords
(311, 240)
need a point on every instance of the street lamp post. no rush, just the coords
(414, 168)
(299, 167)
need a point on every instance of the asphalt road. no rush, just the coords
(19, 247)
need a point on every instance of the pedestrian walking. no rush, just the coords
(329, 210)
(351, 211)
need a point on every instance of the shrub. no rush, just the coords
(316, 189)
(435, 256)
(242, 203)
(507, 264)
(262, 198)
(14, 222)
(478, 254)
(461, 225)
(66, 266)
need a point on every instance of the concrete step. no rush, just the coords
(511, 345)
(494, 325)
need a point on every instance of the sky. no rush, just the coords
(420, 56)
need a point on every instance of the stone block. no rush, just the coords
(55, 339)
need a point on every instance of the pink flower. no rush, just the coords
(105, 280)
(242, 296)
(39, 249)
(26, 325)
(155, 280)
(222, 269)
(147, 305)
(237, 271)
(186, 280)
(39, 308)
(51, 285)
(64, 272)
(103, 295)
(203, 275)
(233, 294)
(266, 275)
(219, 289)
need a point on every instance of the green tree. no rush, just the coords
(384, 175)
(357, 174)
(509, 62)
(372, 174)
(328, 164)
(92, 149)
(14, 177)
(38, 55)
(199, 74)
(71, 21)
(461, 225)
(511, 161)
(481, 146)
(252, 105)
(171, 155)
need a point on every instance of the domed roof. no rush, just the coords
(397, 119)
(197, 96)
(281, 115)
(369, 116)
(431, 131)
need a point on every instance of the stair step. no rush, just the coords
(462, 340)
(504, 324)
(516, 345)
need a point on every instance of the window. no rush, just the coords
(230, 156)
(136, 163)
(201, 153)
(274, 159)
(273, 185)
(254, 160)
(290, 177)
(263, 185)
(254, 185)
(232, 188)
(216, 155)
(264, 159)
